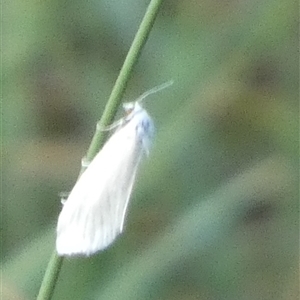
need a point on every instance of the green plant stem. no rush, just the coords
(50, 277)
(55, 263)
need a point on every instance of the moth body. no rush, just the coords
(93, 215)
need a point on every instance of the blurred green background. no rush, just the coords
(215, 209)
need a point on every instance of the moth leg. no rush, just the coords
(63, 197)
(110, 127)
(85, 162)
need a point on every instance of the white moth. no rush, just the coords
(93, 215)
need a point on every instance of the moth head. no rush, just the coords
(131, 108)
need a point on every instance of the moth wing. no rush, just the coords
(94, 213)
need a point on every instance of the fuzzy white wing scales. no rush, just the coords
(94, 213)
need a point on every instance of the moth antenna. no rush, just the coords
(154, 90)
